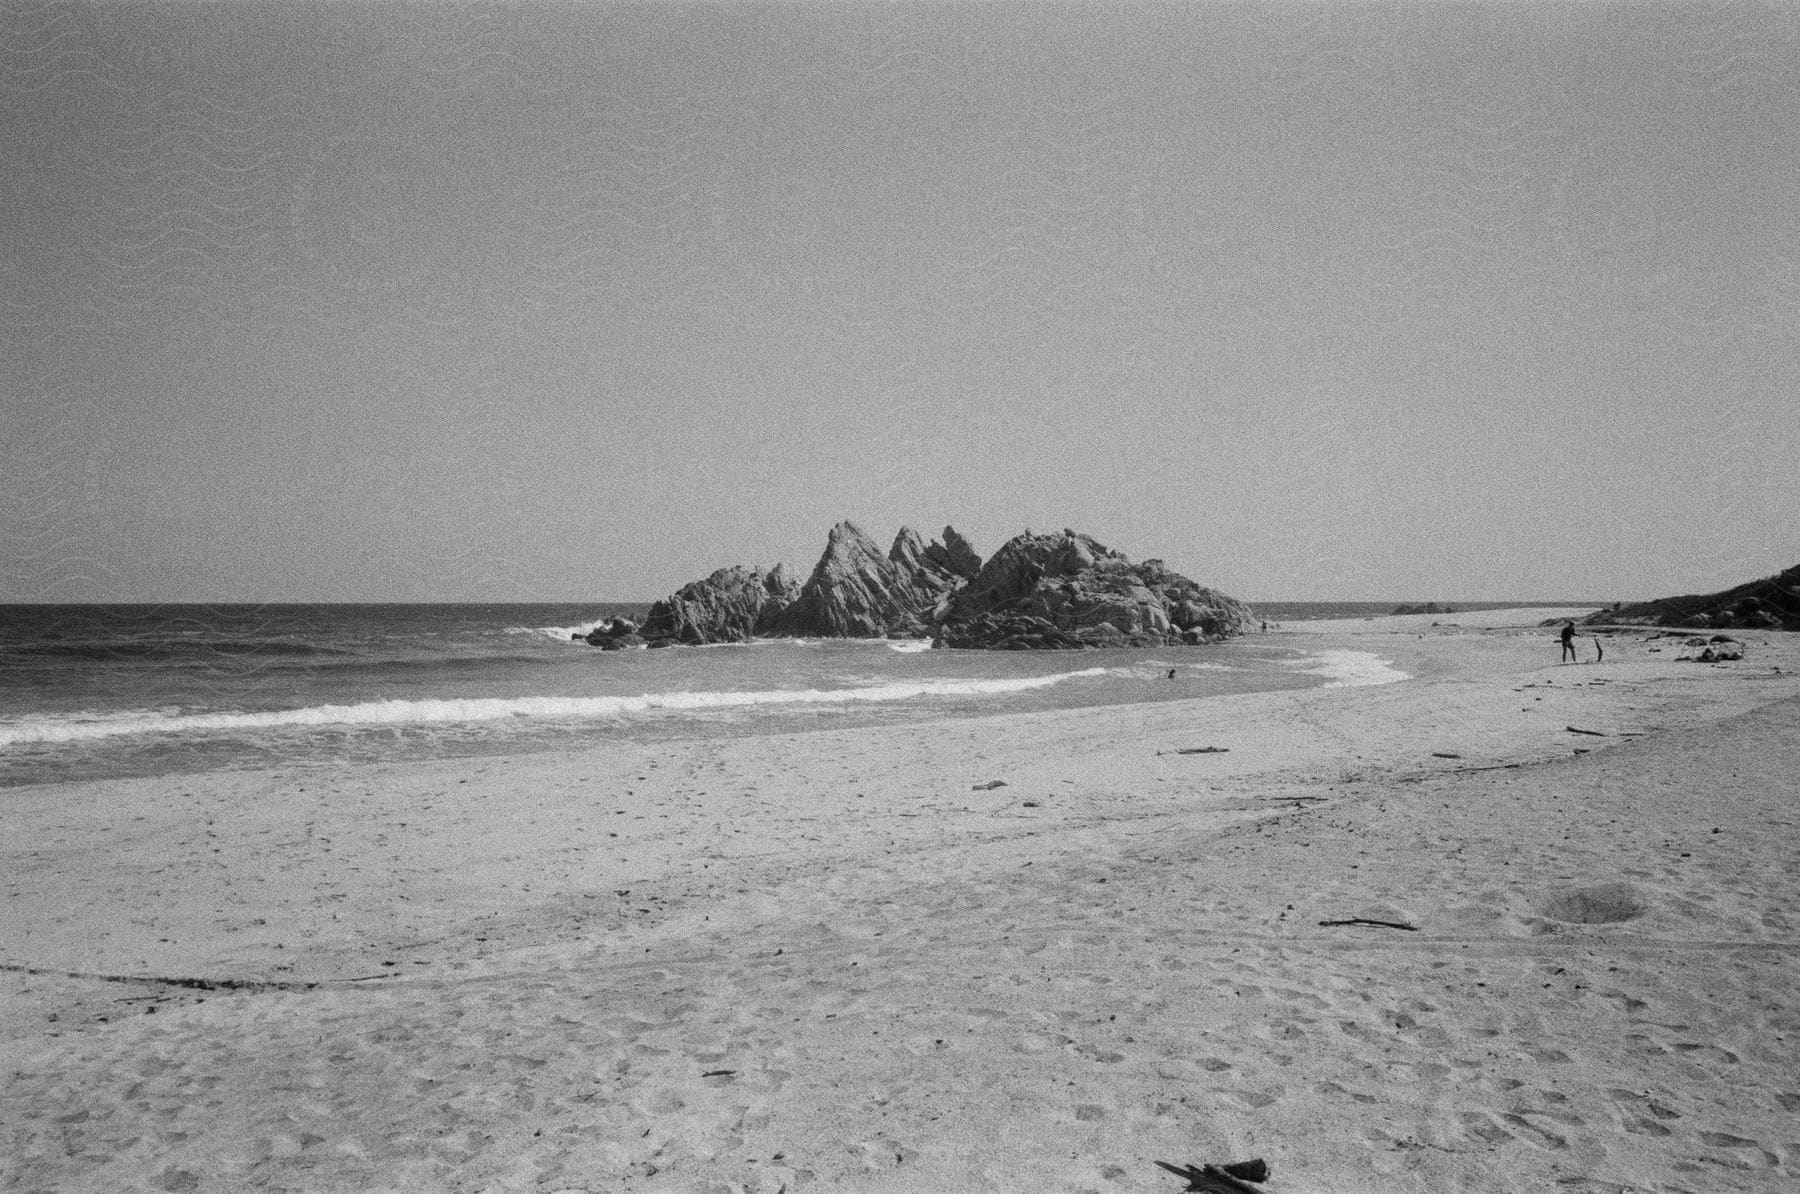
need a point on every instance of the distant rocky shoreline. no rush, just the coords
(1772, 603)
(1063, 591)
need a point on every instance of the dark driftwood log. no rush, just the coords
(1222, 1179)
(1363, 920)
(250, 985)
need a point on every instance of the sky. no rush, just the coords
(524, 301)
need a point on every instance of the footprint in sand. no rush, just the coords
(1104, 1056)
(1333, 1088)
(1534, 1133)
(1034, 1042)
(1483, 1127)
(1641, 1115)
(1702, 1052)
(1762, 1158)
(882, 1154)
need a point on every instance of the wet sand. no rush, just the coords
(839, 961)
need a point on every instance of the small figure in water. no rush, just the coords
(1568, 641)
(1265, 628)
(1171, 673)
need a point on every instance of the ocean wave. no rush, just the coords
(438, 712)
(562, 634)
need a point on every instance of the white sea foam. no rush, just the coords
(562, 634)
(397, 713)
(1352, 669)
(907, 646)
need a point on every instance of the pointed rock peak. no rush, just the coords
(848, 551)
(908, 550)
(954, 555)
(776, 580)
(848, 539)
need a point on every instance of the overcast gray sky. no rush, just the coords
(521, 301)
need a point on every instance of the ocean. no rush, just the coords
(98, 691)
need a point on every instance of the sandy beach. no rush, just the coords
(1506, 925)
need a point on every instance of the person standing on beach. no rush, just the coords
(1568, 641)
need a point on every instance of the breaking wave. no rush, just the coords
(438, 712)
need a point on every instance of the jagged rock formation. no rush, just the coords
(857, 592)
(1070, 590)
(1038, 591)
(1772, 603)
(730, 606)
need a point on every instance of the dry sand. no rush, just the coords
(830, 961)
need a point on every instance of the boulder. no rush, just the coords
(998, 632)
(1079, 590)
(730, 606)
(612, 632)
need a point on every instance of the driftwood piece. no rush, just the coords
(989, 786)
(1363, 920)
(249, 985)
(1594, 733)
(1201, 750)
(1222, 1179)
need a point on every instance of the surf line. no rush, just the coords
(490, 709)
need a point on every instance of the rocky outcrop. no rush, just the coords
(855, 591)
(615, 635)
(730, 606)
(1772, 603)
(1038, 592)
(1071, 590)
(1719, 648)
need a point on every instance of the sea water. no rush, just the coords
(122, 690)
